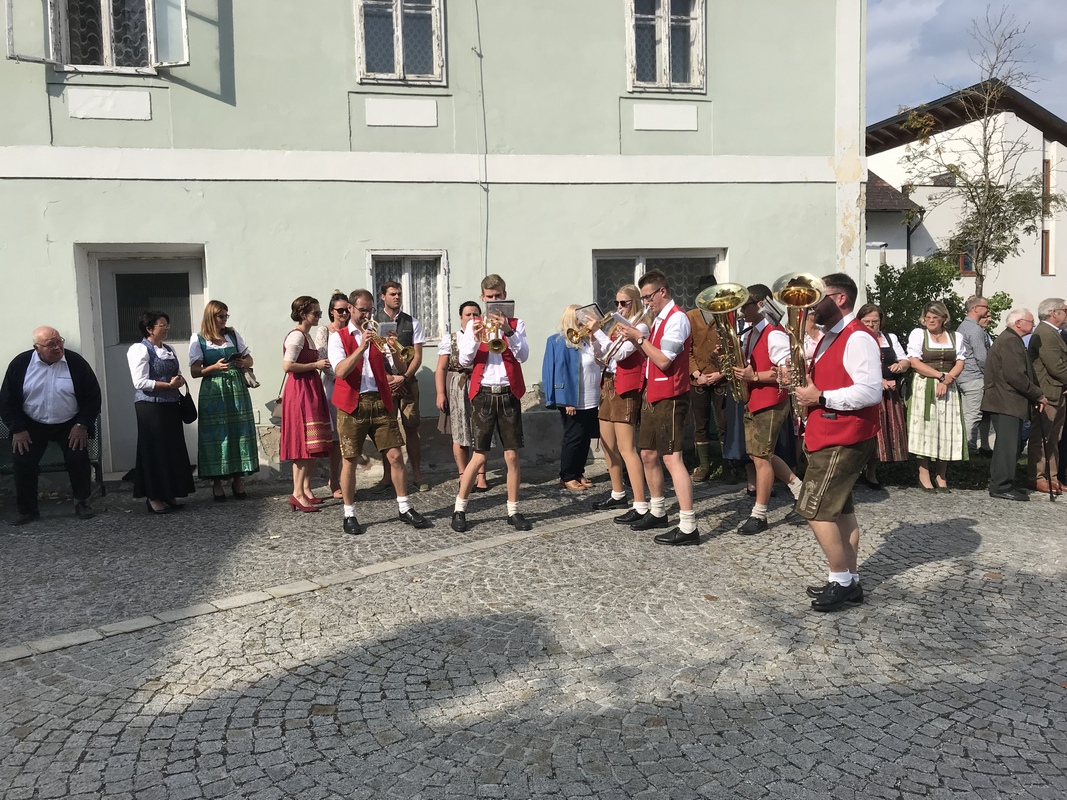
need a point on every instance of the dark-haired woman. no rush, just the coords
(451, 380)
(226, 430)
(893, 432)
(162, 472)
(305, 417)
(340, 314)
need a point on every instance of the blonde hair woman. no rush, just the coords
(935, 420)
(570, 378)
(226, 433)
(620, 411)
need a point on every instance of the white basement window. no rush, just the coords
(665, 45)
(137, 36)
(400, 41)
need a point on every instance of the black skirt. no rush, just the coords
(163, 471)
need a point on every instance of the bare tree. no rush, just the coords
(982, 164)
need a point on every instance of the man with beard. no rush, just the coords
(843, 392)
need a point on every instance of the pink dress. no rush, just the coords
(305, 415)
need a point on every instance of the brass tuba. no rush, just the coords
(798, 292)
(723, 301)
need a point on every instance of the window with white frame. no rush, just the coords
(665, 41)
(683, 272)
(400, 41)
(421, 277)
(137, 36)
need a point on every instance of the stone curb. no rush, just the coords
(62, 641)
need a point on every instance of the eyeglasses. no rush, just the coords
(364, 310)
(624, 302)
(55, 344)
(222, 315)
(646, 297)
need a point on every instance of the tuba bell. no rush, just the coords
(723, 301)
(798, 292)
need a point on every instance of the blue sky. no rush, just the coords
(917, 47)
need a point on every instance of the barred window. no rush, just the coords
(683, 273)
(105, 35)
(420, 279)
(400, 41)
(666, 45)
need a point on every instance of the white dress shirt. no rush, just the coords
(137, 358)
(336, 354)
(48, 392)
(863, 363)
(495, 374)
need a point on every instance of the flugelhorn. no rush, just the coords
(723, 301)
(491, 336)
(575, 335)
(798, 292)
(370, 329)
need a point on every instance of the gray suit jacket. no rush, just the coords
(1049, 354)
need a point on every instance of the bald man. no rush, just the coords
(49, 394)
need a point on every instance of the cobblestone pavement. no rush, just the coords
(239, 650)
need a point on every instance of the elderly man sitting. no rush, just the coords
(49, 395)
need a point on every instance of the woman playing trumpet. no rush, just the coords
(620, 411)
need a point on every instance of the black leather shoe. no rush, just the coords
(837, 595)
(164, 510)
(1011, 494)
(352, 526)
(610, 502)
(649, 521)
(519, 523)
(815, 591)
(415, 519)
(24, 519)
(794, 518)
(675, 536)
(630, 517)
(82, 510)
(459, 521)
(752, 525)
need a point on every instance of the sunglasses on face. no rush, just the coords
(624, 302)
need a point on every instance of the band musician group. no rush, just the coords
(740, 356)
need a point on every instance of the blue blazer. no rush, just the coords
(560, 372)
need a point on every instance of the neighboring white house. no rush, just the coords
(162, 153)
(1040, 269)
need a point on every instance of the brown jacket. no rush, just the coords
(1009, 383)
(1049, 354)
(705, 338)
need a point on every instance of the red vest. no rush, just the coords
(630, 373)
(346, 390)
(511, 367)
(674, 381)
(850, 427)
(764, 395)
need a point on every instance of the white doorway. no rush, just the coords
(129, 287)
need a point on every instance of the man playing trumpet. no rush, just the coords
(496, 387)
(842, 395)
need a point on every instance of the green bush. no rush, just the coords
(902, 292)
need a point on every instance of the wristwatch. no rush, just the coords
(942, 378)
(822, 401)
(640, 340)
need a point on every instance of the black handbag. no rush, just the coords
(188, 407)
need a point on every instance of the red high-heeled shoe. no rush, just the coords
(315, 501)
(296, 505)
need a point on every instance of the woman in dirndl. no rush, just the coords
(893, 431)
(620, 410)
(451, 381)
(162, 472)
(226, 434)
(305, 430)
(935, 414)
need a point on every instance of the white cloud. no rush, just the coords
(919, 50)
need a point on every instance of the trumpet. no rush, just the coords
(370, 330)
(616, 343)
(723, 301)
(491, 336)
(575, 335)
(798, 292)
